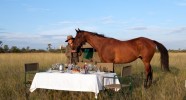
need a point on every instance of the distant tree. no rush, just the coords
(1, 49)
(27, 48)
(6, 48)
(49, 47)
(23, 50)
(1, 43)
(15, 49)
(33, 50)
(41, 50)
(63, 49)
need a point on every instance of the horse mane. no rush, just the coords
(95, 34)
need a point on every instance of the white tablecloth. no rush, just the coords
(72, 82)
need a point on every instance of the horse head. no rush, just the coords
(79, 39)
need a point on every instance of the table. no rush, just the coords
(72, 82)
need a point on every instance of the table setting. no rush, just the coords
(70, 68)
(87, 78)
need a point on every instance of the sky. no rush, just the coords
(37, 23)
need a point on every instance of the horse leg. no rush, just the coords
(150, 76)
(148, 73)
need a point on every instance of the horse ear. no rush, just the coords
(78, 29)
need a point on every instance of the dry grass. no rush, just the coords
(166, 86)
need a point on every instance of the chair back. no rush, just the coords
(31, 67)
(30, 70)
(126, 71)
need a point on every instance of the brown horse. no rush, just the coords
(116, 51)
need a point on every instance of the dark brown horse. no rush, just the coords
(116, 51)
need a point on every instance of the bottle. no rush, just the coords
(95, 68)
(85, 65)
(86, 68)
(98, 69)
(61, 67)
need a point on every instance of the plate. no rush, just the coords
(100, 72)
(91, 72)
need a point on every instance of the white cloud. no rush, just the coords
(32, 40)
(179, 30)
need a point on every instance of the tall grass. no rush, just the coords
(166, 86)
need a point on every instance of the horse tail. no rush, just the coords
(163, 55)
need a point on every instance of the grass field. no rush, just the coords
(166, 86)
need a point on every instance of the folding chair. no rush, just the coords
(125, 80)
(30, 71)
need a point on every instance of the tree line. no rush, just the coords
(14, 49)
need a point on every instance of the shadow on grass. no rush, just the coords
(45, 94)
